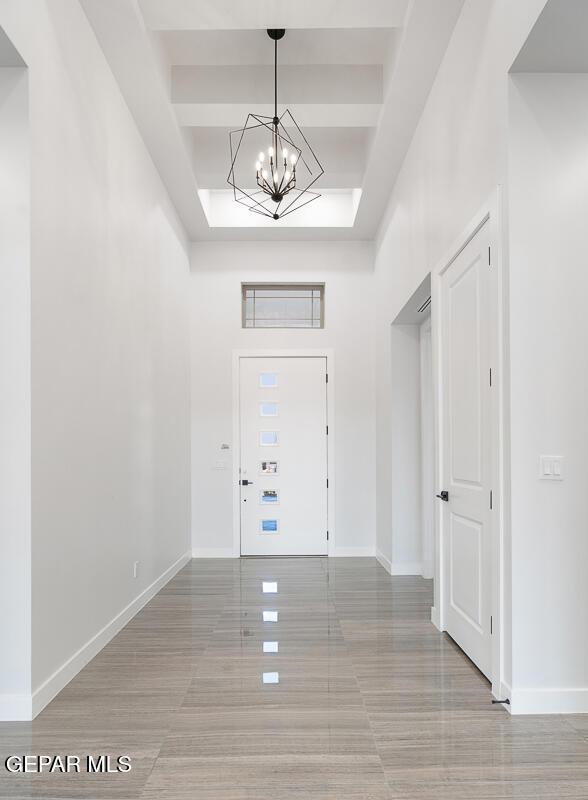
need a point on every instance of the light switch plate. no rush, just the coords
(551, 468)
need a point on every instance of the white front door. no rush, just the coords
(466, 327)
(283, 441)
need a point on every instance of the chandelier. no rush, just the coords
(280, 180)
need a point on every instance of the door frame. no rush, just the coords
(329, 355)
(491, 213)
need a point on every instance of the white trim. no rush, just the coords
(384, 562)
(490, 213)
(548, 701)
(505, 693)
(354, 552)
(68, 670)
(213, 552)
(407, 568)
(402, 568)
(326, 353)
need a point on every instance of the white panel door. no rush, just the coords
(283, 432)
(466, 319)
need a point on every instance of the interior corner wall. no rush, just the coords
(548, 197)
(383, 446)
(405, 421)
(15, 396)
(427, 426)
(218, 269)
(456, 159)
(109, 350)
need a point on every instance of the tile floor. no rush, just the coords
(363, 700)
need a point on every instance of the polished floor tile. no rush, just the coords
(350, 694)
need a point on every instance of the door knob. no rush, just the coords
(443, 496)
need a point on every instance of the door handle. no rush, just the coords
(443, 496)
(246, 482)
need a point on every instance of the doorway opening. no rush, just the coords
(446, 442)
(411, 538)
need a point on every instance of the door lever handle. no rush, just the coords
(444, 495)
(246, 482)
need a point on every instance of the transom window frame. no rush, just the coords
(276, 285)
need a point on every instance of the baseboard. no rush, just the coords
(504, 693)
(548, 701)
(61, 677)
(213, 552)
(354, 552)
(227, 552)
(408, 568)
(435, 617)
(384, 562)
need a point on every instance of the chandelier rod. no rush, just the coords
(275, 78)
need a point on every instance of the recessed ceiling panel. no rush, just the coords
(355, 75)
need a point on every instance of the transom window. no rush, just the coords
(279, 305)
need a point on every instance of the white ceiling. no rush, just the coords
(9, 56)
(259, 14)
(558, 41)
(354, 74)
(305, 46)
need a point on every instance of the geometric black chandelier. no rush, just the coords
(273, 167)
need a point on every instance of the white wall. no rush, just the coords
(217, 272)
(109, 338)
(548, 185)
(456, 159)
(399, 536)
(15, 400)
(428, 491)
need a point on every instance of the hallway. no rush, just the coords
(372, 702)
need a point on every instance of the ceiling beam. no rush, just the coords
(316, 46)
(322, 83)
(249, 14)
(317, 115)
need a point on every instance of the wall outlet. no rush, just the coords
(135, 569)
(551, 468)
